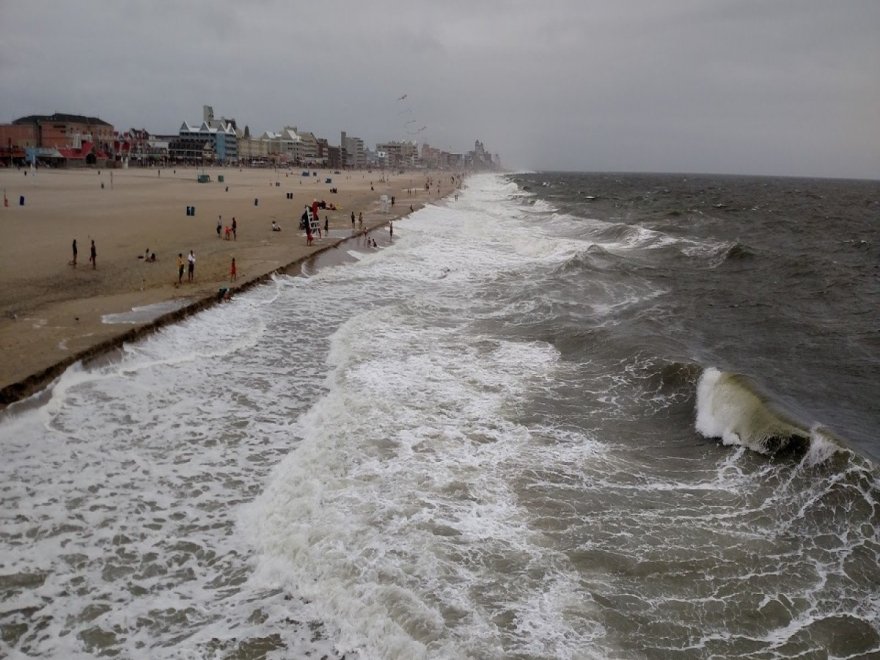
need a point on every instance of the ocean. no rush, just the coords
(557, 416)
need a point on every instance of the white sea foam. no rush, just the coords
(124, 484)
(823, 445)
(396, 510)
(400, 493)
(144, 313)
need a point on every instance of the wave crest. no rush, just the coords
(738, 251)
(729, 407)
(593, 258)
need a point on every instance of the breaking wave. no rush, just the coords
(731, 408)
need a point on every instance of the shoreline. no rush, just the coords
(37, 382)
(264, 261)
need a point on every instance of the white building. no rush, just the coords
(194, 142)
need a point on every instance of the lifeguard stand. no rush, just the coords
(314, 222)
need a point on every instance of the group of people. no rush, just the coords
(369, 241)
(310, 221)
(190, 265)
(93, 255)
(228, 232)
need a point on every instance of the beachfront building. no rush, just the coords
(14, 140)
(333, 156)
(252, 150)
(436, 159)
(479, 158)
(138, 147)
(285, 146)
(353, 153)
(430, 156)
(309, 149)
(59, 139)
(398, 154)
(198, 144)
(327, 154)
(214, 140)
(202, 143)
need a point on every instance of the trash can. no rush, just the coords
(220, 178)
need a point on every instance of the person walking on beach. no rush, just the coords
(352, 220)
(233, 273)
(326, 225)
(361, 219)
(93, 255)
(390, 230)
(180, 267)
(74, 253)
(234, 229)
(219, 227)
(191, 266)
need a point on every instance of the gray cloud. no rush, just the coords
(784, 87)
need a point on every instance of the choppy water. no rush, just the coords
(601, 417)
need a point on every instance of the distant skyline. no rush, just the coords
(787, 87)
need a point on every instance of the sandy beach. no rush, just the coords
(53, 313)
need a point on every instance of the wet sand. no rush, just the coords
(53, 314)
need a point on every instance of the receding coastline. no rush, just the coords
(52, 312)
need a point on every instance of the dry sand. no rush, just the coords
(51, 314)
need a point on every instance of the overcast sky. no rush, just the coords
(788, 87)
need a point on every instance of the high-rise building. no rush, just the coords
(353, 152)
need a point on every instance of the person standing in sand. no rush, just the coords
(233, 273)
(191, 266)
(352, 220)
(93, 255)
(234, 229)
(180, 267)
(74, 253)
